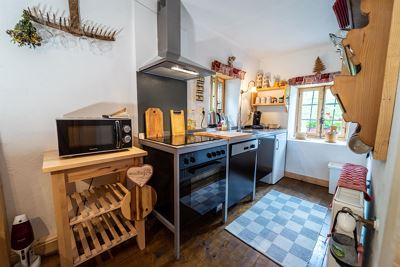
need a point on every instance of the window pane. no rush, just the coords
(309, 126)
(329, 98)
(219, 94)
(310, 97)
(333, 114)
(309, 112)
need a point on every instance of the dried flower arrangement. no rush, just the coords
(24, 33)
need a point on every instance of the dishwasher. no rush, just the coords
(242, 167)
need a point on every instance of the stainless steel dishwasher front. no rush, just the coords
(242, 166)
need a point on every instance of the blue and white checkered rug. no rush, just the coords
(282, 227)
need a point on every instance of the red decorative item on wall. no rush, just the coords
(227, 70)
(313, 79)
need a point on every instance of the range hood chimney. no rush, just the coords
(172, 64)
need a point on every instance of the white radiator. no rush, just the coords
(346, 198)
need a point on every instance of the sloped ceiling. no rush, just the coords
(265, 27)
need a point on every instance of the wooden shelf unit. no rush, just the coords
(93, 237)
(104, 212)
(368, 97)
(96, 201)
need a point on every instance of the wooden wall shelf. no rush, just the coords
(271, 104)
(368, 97)
(271, 88)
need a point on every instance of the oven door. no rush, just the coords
(88, 136)
(202, 188)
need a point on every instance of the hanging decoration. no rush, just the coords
(313, 79)
(319, 66)
(71, 24)
(200, 89)
(228, 69)
(24, 33)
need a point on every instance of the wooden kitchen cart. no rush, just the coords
(77, 215)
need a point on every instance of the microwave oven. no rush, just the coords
(89, 136)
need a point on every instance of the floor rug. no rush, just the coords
(282, 227)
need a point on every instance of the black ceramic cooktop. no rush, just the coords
(181, 140)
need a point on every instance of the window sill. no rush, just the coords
(318, 141)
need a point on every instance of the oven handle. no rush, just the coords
(192, 170)
(117, 133)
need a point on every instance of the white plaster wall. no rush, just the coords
(195, 107)
(37, 86)
(311, 158)
(301, 62)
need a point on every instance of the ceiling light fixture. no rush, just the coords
(185, 71)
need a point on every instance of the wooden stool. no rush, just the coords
(143, 199)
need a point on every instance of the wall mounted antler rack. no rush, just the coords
(72, 24)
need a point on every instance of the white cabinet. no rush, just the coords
(278, 167)
(271, 158)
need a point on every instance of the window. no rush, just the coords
(217, 101)
(318, 110)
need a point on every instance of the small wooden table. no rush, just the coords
(70, 170)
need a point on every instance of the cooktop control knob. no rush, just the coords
(218, 153)
(186, 161)
(127, 138)
(192, 159)
(223, 152)
(214, 154)
(208, 155)
(127, 129)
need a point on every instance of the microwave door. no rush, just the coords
(88, 136)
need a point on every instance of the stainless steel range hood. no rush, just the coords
(172, 64)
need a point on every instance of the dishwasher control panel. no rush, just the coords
(244, 147)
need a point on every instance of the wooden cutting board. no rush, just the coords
(177, 122)
(224, 135)
(143, 201)
(154, 123)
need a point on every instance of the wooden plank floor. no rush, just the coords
(208, 244)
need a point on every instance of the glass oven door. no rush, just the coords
(87, 136)
(202, 188)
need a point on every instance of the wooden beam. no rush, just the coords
(74, 13)
(389, 87)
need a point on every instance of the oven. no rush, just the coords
(88, 136)
(202, 182)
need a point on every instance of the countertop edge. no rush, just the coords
(53, 163)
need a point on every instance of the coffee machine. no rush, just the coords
(21, 242)
(257, 120)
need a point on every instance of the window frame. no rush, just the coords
(322, 89)
(214, 84)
